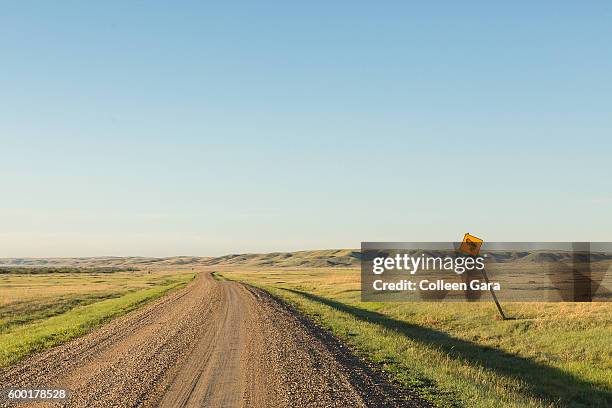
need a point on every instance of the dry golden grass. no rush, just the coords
(25, 288)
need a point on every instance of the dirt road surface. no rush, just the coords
(211, 344)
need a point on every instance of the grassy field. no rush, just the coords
(460, 354)
(41, 310)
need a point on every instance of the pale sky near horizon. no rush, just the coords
(205, 128)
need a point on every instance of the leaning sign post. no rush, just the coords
(471, 246)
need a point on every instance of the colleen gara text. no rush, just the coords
(439, 284)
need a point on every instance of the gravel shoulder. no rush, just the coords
(211, 344)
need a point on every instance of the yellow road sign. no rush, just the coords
(470, 245)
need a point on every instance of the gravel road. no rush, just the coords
(211, 344)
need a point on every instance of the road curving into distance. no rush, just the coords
(211, 344)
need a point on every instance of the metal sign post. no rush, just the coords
(501, 312)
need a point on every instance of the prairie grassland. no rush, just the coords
(38, 311)
(460, 354)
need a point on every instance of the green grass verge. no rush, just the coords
(39, 327)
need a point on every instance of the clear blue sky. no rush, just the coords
(200, 128)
